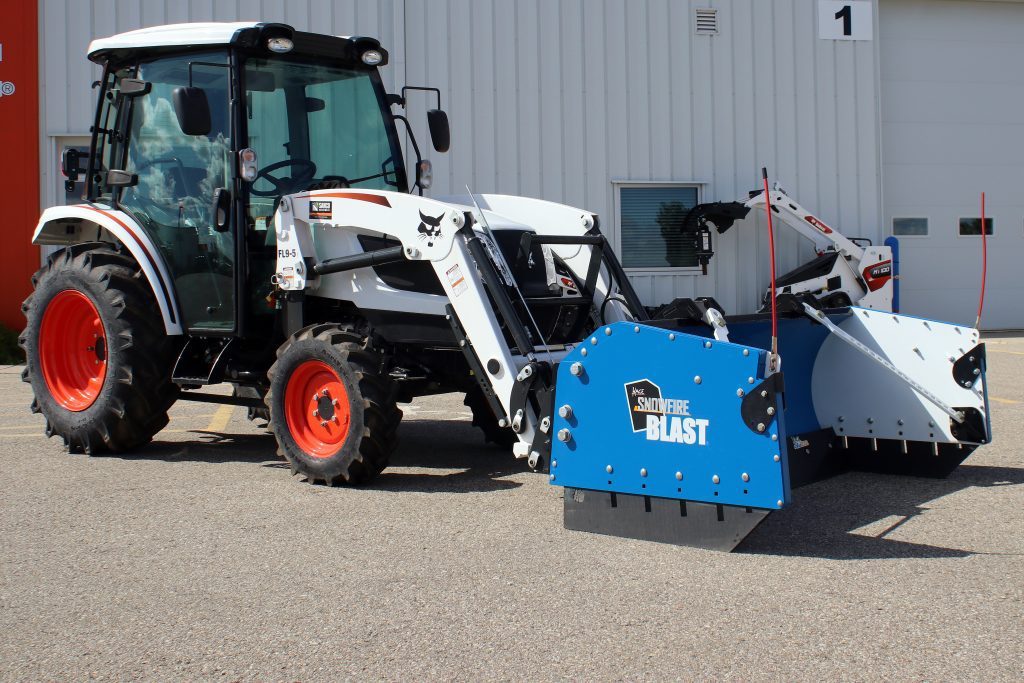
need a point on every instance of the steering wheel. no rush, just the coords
(282, 186)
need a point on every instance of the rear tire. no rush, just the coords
(97, 356)
(332, 407)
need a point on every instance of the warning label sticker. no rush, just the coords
(456, 280)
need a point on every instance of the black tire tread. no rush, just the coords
(136, 409)
(381, 416)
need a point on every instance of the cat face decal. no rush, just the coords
(430, 228)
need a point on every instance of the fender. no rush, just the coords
(66, 225)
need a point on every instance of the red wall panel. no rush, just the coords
(19, 155)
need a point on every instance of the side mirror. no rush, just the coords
(260, 81)
(221, 210)
(70, 167)
(192, 110)
(120, 178)
(440, 134)
(70, 163)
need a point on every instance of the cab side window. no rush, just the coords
(177, 172)
(177, 177)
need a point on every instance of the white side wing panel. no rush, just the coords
(857, 396)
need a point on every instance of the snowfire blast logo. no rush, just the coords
(430, 228)
(663, 419)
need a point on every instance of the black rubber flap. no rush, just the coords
(681, 522)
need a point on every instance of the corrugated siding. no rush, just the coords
(952, 95)
(559, 99)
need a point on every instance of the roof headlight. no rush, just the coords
(280, 45)
(372, 57)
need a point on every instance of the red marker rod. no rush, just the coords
(984, 262)
(771, 249)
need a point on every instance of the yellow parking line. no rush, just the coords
(1002, 400)
(1016, 353)
(220, 419)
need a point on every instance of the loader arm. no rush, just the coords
(805, 223)
(863, 274)
(844, 272)
(319, 255)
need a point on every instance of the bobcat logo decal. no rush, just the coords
(430, 228)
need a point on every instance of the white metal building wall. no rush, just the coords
(952, 104)
(559, 99)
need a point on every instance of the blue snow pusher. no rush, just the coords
(666, 430)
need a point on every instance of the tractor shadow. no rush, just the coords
(824, 516)
(214, 448)
(465, 463)
(456, 450)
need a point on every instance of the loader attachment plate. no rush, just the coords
(670, 435)
(660, 413)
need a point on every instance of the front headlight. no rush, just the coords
(372, 57)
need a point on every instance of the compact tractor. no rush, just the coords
(249, 219)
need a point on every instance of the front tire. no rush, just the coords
(331, 406)
(97, 356)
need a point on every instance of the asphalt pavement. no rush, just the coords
(200, 557)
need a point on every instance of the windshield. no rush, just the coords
(317, 126)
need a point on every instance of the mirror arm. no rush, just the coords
(436, 91)
(415, 147)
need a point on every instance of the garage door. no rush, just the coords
(953, 125)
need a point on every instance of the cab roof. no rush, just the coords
(244, 34)
(170, 35)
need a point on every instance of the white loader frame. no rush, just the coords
(313, 226)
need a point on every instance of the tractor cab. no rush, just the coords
(201, 129)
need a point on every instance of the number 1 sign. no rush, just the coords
(839, 20)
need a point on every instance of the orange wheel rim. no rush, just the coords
(316, 409)
(72, 350)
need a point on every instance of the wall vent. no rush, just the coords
(706, 21)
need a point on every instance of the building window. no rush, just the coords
(909, 227)
(651, 226)
(972, 226)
